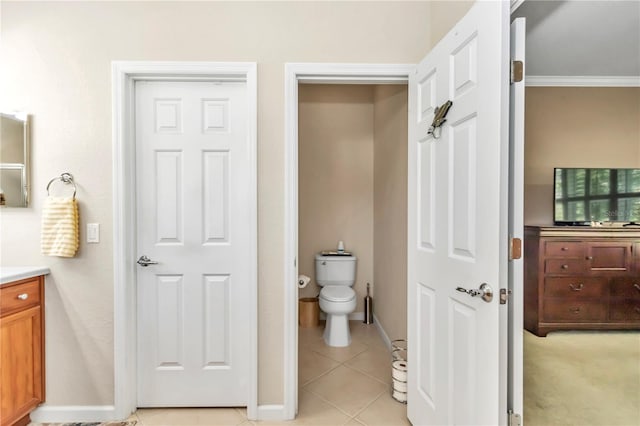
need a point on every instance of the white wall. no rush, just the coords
(56, 64)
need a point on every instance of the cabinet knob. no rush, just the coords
(23, 296)
(636, 286)
(575, 310)
(637, 309)
(564, 248)
(576, 288)
(589, 257)
(565, 266)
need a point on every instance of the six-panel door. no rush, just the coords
(193, 218)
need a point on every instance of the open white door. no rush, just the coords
(516, 216)
(457, 224)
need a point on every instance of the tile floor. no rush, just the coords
(337, 386)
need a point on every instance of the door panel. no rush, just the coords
(193, 211)
(457, 223)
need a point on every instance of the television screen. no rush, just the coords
(601, 195)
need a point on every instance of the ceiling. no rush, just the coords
(582, 38)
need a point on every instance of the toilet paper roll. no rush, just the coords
(303, 280)
(399, 386)
(399, 396)
(399, 370)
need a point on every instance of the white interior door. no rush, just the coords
(457, 224)
(516, 219)
(193, 218)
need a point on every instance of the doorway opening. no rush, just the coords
(297, 75)
(352, 187)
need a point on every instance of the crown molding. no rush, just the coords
(581, 81)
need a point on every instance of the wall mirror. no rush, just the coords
(14, 159)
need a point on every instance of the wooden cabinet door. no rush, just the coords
(21, 383)
(613, 257)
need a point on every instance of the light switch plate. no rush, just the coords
(93, 232)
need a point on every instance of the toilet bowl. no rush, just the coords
(337, 302)
(336, 275)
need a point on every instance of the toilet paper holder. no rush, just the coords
(303, 281)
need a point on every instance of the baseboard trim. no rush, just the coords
(271, 413)
(383, 333)
(73, 413)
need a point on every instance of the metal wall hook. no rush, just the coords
(66, 178)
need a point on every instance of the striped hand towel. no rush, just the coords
(59, 235)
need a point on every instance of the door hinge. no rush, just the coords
(504, 295)
(515, 248)
(513, 419)
(517, 71)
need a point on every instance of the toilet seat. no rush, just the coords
(337, 293)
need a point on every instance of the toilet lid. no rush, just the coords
(337, 293)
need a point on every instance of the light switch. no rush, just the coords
(93, 232)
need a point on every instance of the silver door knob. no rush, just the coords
(485, 292)
(145, 261)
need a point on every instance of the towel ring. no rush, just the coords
(65, 178)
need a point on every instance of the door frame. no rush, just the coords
(319, 73)
(124, 76)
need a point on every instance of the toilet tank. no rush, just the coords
(335, 270)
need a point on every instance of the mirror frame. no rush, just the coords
(26, 170)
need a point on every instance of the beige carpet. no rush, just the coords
(582, 378)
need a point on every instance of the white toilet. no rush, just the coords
(336, 275)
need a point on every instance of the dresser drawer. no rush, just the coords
(575, 287)
(626, 287)
(20, 296)
(572, 310)
(564, 249)
(625, 309)
(564, 266)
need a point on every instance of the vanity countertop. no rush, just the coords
(14, 273)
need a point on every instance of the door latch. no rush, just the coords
(504, 295)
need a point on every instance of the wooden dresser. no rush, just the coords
(581, 278)
(21, 349)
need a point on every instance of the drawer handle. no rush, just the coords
(637, 309)
(564, 248)
(636, 286)
(23, 296)
(565, 266)
(589, 257)
(574, 288)
(575, 310)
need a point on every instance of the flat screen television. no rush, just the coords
(585, 195)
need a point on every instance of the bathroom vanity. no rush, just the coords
(22, 384)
